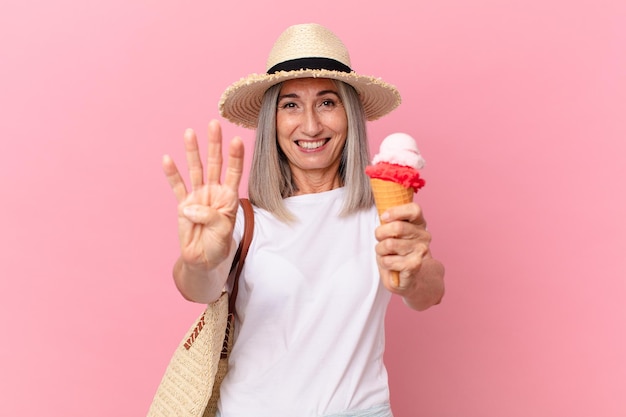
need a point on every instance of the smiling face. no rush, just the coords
(312, 127)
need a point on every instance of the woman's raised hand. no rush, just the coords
(207, 212)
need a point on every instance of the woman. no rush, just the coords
(317, 280)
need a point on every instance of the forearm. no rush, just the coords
(428, 288)
(202, 284)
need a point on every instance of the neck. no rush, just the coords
(311, 183)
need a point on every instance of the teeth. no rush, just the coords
(311, 145)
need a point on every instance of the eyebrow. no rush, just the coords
(319, 94)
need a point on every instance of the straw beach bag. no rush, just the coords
(190, 386)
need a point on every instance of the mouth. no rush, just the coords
(311, 145)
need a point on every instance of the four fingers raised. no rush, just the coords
(214, 161)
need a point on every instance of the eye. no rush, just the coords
(288, 105)
(327, 104)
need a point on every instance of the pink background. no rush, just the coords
(518, 106)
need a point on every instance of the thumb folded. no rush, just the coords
(197, 213)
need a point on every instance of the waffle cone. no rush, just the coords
(389, 194)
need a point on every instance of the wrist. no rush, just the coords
(427, 287)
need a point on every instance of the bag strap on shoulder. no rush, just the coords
(242, 251)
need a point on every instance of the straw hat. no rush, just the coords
(302, 51)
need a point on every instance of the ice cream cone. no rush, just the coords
(394, 175)
(390, 194)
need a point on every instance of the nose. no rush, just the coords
(311, 124)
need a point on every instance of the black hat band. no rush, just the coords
(310, 64)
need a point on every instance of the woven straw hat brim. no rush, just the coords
(241, 102)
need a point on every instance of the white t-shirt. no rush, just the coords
(311, 307)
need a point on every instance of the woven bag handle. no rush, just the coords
(242, 251)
